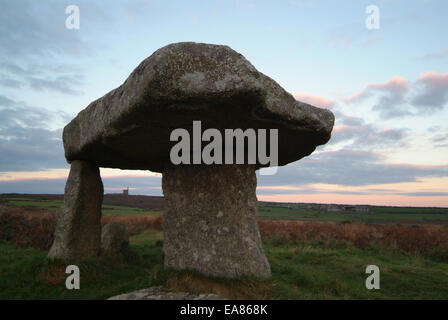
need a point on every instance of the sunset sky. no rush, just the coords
(387, 87)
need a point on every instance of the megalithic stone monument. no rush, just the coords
(210, 219)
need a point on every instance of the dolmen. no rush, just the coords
(206, 119)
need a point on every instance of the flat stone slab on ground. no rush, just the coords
(158, 293)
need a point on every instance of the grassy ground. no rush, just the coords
(314, 261)
(54, 205)
(303, 270)
(24, 274)
(378, 215)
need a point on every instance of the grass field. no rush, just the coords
(324, 256)
(54, 205)
(302, 270)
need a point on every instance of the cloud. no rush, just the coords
(27, 143)
(328, 189)
(359, 135)
(423, 194)
(60, 78)
(33, 29)
(31, 149)
(37, 69)
(314, 100)
(62, 84)
(14, 114)
(349, 168)
(397, 97)
(432, 92)
(146, 185)
(348, 120)
(33, 38)
(442, 54)
(368, 136)
(391, 93)
(440, 139)
(433, 129)
(10, 83)
(6, 102)
(55, 186)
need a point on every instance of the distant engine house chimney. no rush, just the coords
(126, 192)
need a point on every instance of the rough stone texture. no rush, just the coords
(130, 126)
(210, 220)
(78, 229)
(158, 293)
(114, 239)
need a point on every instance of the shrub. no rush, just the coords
(423, 239)
(35, 228)
(27, 228)
(136, 225)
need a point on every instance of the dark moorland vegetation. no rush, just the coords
(309, 259)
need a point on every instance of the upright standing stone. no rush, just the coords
(210, 220)
(78, 230)
(114, 239)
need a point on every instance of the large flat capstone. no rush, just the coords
(130, 126)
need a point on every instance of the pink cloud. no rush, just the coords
(396, 83)
(371, 199)
(348, 129)
(434, 78)
(314, 100)
(396, 86)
